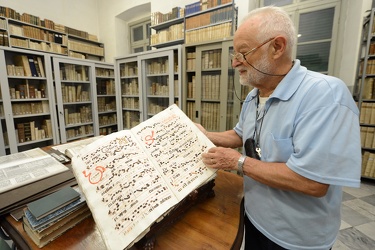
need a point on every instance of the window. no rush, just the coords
(315, 25)
(278, 2)
(314, 39)
(140, 35)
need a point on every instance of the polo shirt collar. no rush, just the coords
(291, 82)
(289, 85)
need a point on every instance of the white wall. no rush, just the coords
(115, 16)
(109, 20)
(348, 40)
(77, 14)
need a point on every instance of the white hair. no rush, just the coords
(275, 21)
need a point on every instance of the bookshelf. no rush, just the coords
(106, 95)
(77, 103)
(127, 82)
(169, 31)
(29, 118)
(161, 78)
(148, 82)
(83, 48)
(31, 36)
(364, 94)
(197, 22)
(210, 23)
(27, 31)
(213, 93)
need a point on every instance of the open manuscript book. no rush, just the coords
(132, 178)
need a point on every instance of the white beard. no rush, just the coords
(254, 77)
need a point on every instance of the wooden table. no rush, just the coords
(212, 224)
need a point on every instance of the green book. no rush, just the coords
(50, 203)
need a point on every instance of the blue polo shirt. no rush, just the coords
(312, 125)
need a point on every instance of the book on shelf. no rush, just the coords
(22, 60)
(32, 65)
(133, 178)
(368, 167)
(28, 131)
(52, 202)
(32, 91)
(47, 127)
(21, 132)
(32, 130)
(21, 88)
(40, 66)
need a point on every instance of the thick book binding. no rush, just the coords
(51, 203)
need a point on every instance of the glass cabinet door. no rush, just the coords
(158, 82)
(130, 92)
(27, 116)
(106, 94)
(75, 92)
(149, 82)
(213, 92)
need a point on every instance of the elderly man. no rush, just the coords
(301, 138)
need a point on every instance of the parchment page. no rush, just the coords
(124, 191)
(175, 144)
(132, 177)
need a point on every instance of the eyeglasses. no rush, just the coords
(241, 57)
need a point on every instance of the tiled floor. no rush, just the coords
(357, 230)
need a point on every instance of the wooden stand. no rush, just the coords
(201, 194)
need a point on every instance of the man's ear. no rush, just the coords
(279, 46)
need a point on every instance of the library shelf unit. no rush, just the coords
(161, 80)
(211, 24)
(77, 103)
(129, 106)
(106, 95)
(213, 93)
(29, 36)
(27, 99)
(148, 82)
(168, 28)
(168, 33)
(51, 38)
(82, 48)
(364, 94)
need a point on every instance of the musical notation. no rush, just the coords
(140, 173)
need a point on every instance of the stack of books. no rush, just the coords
(38, 174)
(49, 217)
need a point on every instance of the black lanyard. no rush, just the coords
(256, 135)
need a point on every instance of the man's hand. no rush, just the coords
(221, 158)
